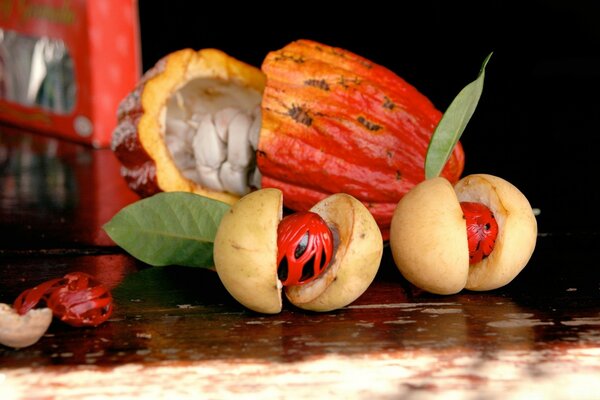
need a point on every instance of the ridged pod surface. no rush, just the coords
(334, 122)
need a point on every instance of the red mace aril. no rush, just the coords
(77, 299)
(304, 248)
(482, 230)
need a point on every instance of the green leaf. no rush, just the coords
(174, 228)
(452, 125)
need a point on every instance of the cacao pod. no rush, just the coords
(157, 124)
(333, 121)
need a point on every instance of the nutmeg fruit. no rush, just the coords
(245, 253)
(428, 235)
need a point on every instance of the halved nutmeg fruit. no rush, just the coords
(192, 124)
(252, 265)
(476, 235)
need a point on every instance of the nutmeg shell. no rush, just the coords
(245, 250)
(428, 238)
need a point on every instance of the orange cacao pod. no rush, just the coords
(333, 121)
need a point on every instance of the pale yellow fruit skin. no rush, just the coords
(517, 230)
(245, 250)
(428, 238)
(357, 256)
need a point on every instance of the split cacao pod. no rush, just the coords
(183, 82)
(333, 121)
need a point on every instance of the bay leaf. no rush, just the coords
(173, 228)
(453, 123)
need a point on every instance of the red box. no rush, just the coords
(84, 58)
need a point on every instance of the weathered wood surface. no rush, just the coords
(176, 332)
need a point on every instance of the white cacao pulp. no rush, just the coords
(212, 130)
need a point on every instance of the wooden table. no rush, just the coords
(176, 333)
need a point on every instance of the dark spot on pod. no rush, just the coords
(338, 53)
(289, 57)
(389, 104)
(366, 64)
(261, 154)
(345, 82)
(318, 83)
(299, 115)
(373, 127)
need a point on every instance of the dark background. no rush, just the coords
(536, 124)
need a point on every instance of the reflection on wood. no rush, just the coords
(55, 193)
(177, 333)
